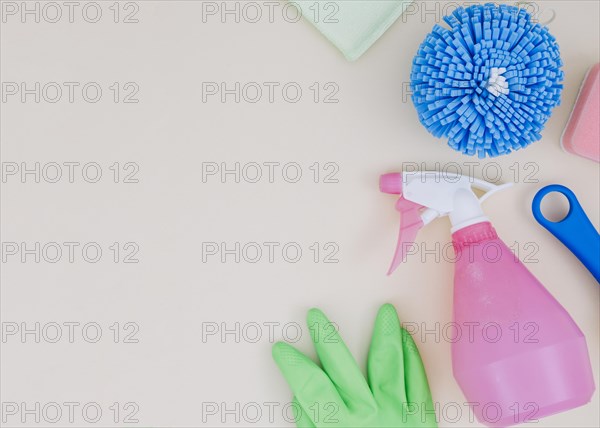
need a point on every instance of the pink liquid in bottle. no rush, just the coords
(519, 355)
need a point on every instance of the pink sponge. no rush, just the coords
(582, 133)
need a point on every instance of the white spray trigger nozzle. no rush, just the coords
(425, 196)
(436, 190)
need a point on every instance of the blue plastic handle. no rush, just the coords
(575, 231)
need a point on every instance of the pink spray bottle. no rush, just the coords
(517, 355)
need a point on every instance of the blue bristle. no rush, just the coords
(453, 67)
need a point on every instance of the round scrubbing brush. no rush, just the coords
(490, 82)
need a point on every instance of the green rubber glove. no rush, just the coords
(337, 395)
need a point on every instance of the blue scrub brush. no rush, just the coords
(490, 82)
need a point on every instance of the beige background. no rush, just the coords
(171, 294)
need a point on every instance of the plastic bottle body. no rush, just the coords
(519, 355)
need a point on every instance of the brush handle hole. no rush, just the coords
(555, 207)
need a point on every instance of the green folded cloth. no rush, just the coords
(352, 25)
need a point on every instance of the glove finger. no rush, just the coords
(311, 386)
(338, 362)
(417, 386)
(386, 361)
(301, 417)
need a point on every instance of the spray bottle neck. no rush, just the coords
(473, 234)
